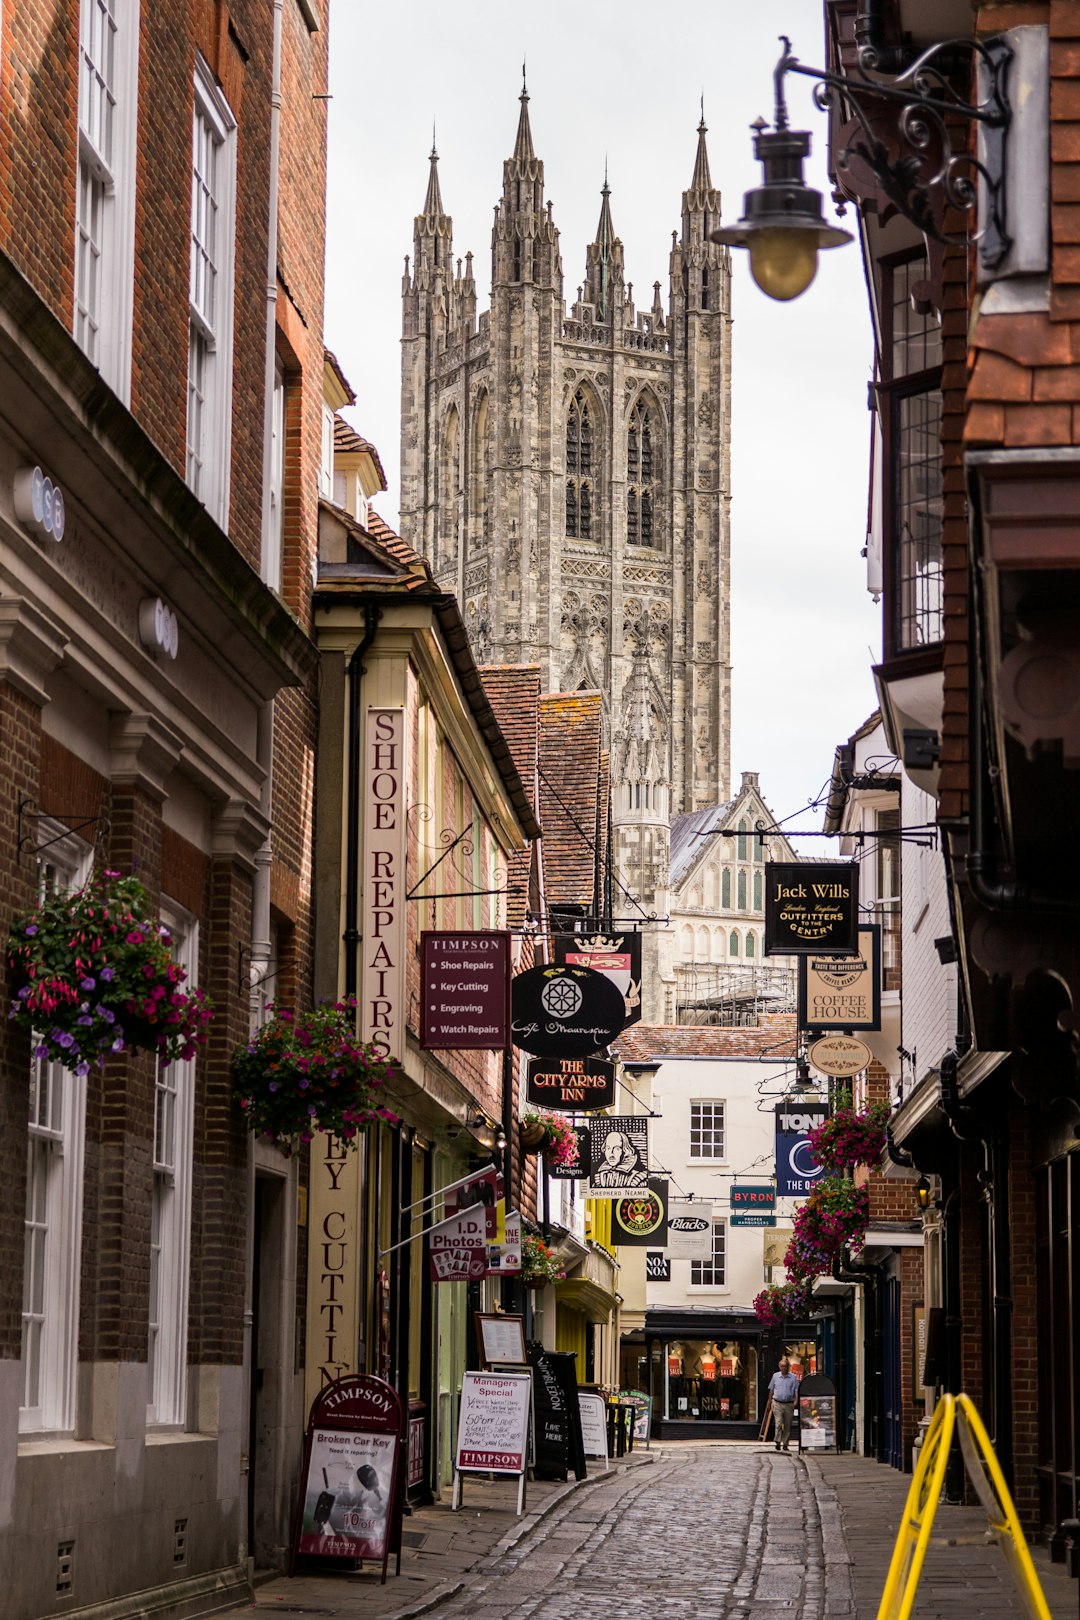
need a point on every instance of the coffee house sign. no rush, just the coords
(811, 906)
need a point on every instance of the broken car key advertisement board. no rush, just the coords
(349, 1505)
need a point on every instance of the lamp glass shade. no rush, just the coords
(783, 261)
(922, 1192)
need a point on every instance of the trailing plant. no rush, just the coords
(538, 1262)
(306, 1072)
(850, 1136)
(778, 1301)
(835, 1214)
(94, 973)
(560, 1139)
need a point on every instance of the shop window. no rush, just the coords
(712, 1273)
(54, 1196)
(707, 1130)
(210, 294)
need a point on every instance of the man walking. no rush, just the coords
(783, 1387)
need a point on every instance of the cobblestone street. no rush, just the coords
(711, 1530)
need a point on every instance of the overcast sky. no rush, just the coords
(623, 84)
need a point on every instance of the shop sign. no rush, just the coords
(689, 1229)
(641, 1219)
(493, 1423)
(841, 1056)
(577, 1169)
(333, 1309)
(746, 1219)
(657, 1267)
(565, 1011)
(753, 1199)
(796, 1167)
(465, 1002)
(811, 907)
(674, 1366)
(571, 1083)
(457, 1248)
(774, 1245)
(349, 1505)
(479, 1193)
(616, 956)
(558, 1437)
(619, 1155)
(504, 1258)
(843, 992)
(382, 925)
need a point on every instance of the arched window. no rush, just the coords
(641, 475)
(751, 947)
(704, 286)
(579, 466)
(742, 889)
(686, 943)
(718, 945)
(481, 483)
(733, 943)
(702, 945)
(757, 891)
(725, 887)
(447, 539)
(743, 841)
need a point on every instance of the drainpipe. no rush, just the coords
(354, 676)
(875, 54)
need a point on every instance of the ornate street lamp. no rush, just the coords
(913, 162)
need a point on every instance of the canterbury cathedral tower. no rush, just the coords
(566, 473)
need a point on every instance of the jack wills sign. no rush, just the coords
(811, 907)
(571, 1083)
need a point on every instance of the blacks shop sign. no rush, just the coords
(571, 1083)
(565, 1012)
(811, 907)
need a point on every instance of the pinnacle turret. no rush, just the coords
(603, 260)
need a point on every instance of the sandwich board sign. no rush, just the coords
(493, 1428)
(350, 1505)
(593, 1424)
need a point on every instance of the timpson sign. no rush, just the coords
(382, 911)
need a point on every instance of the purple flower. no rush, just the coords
(66, 1040)
(41, 1051)
(118, 1044)
(86, 1022)
(30, 930)
(82, 1068)
(106, 974)
(87, 984)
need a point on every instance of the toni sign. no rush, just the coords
(796, 1167)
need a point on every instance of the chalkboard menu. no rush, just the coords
(552, 1428)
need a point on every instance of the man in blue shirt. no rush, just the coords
(783, 1387)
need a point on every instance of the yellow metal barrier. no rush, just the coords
(957, 1413)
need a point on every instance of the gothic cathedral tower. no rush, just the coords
(567, 476)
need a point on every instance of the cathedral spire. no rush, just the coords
(433, 203)
(604, 258)
(523, 146)
(701, 184)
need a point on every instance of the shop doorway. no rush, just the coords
(712, 1381)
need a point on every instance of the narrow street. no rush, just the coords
(708, 1530)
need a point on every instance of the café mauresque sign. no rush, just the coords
(810, 907)
(562, 1012)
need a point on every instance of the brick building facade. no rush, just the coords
(162, 366)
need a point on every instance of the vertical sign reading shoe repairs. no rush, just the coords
(382, 910)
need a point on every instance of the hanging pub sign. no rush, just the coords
(619, 1155)
(843, 992)
(657, 1269)
(616, 956)
(811, 907)
(565, 1011)
(465, 997)
(571, 1083)
(796, 1167)
(753, 1205)
(349, 1505)
(576, 1169)
(641, 1219)
(841, 1056)
(689, 1229)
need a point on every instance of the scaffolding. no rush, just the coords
(734, 995)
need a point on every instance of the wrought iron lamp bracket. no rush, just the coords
(927, 172)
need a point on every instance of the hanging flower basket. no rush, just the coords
(850, 1137)
(307, 1072)
(538, 1263)
(94, 973)
(835, 1215)
(549, 1134)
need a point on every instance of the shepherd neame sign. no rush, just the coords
(811, 907)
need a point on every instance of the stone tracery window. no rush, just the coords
(642, 475)
(579, 468)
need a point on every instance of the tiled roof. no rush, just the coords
(513, 690)
(348, 442)
(687, 835)
(571, 791)
(774, 1037)
(334, 363)
(398, 548)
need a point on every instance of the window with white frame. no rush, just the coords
(707, 1130)
(170, 1211)
(54, 1194)
(712, 1273)
(210, 298)
(105, 187)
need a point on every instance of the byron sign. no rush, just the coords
(753, 1204)
(565, 1011)
(811, 907)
